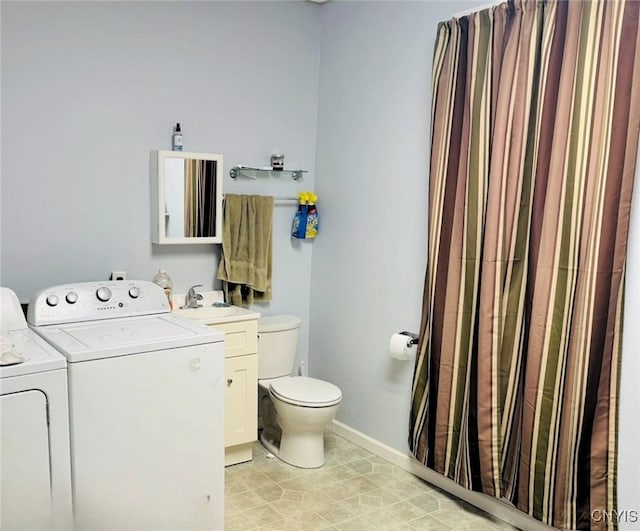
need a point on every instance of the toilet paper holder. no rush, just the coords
(413, 338)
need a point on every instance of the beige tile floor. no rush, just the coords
(354, 490)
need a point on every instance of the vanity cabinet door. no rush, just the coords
(240, 338)
(241, 399)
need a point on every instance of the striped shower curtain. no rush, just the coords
(535, 119)
(199, 198)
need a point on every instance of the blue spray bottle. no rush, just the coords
(299, 225)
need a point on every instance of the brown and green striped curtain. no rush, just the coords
(535, 120)
(190, 197)
(200, 198)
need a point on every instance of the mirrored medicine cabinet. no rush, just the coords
(186, 199)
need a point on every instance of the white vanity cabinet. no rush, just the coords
(241, 389)
(240, 327)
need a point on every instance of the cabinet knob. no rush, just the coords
(229, 381)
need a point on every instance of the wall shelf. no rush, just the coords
(251, 172)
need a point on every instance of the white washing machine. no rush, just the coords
(146, 406)
(35, 474)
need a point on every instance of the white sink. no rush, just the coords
(212, 314)
(208, 311)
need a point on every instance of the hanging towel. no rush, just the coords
(245, 262)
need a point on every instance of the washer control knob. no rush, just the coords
(72, 297)
(134, 292)
(103, 294)
(52, 300)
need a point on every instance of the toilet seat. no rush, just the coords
(306, 392)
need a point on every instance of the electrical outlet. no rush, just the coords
(118, 275)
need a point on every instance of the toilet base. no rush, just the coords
(294, 433)
(301, 452)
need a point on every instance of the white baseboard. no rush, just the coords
(493, 506)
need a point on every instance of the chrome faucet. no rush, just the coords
(192, 297)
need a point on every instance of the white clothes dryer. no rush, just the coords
(35, 474)
(146, 406)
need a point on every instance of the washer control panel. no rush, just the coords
(90, 301)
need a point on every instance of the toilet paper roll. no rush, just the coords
(398, 347)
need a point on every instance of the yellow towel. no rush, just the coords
(245, 262)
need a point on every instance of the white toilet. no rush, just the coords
(294, 410)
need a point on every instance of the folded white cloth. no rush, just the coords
(8, 353)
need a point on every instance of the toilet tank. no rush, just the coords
(277, 344)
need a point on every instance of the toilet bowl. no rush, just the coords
(294, 410)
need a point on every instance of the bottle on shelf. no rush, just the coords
(277, 162)
(176, 138)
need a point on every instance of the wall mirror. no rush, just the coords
(186, 197)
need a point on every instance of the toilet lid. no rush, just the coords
(308, 392)
(278, 323)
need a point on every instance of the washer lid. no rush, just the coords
(38, 356)
(130, 335)
(304, 391)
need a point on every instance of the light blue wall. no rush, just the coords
(372, 169)
(89, 88)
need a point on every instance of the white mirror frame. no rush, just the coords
(158, 197)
